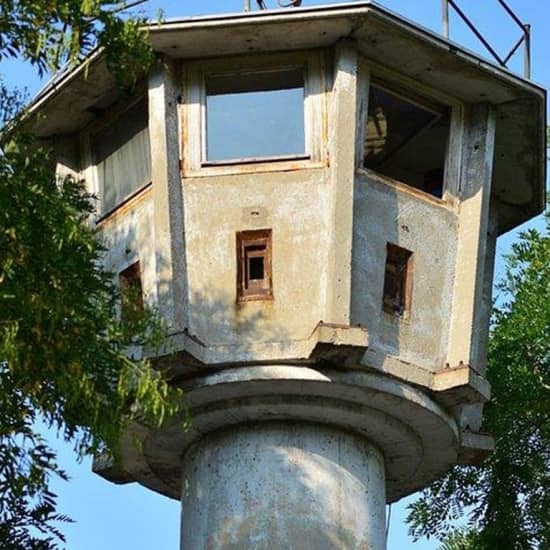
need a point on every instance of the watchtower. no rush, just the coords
(311, 198)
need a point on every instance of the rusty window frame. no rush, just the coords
(251, 245)
(398, 273)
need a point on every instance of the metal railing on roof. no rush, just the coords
(525, 38)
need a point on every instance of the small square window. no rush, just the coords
(397, 281)
(254, 280)
(406, 139)
(254, 116)
(131, 292)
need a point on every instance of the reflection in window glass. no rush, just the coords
(407, 140)
(255, 115)
(122, 155)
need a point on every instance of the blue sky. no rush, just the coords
(110, 517)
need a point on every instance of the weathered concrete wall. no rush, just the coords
(385, 214)
(295, 206)
(475, 252)
(285, 486)
(166, 191)
(128, 239)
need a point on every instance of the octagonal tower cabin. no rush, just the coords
(311, 198)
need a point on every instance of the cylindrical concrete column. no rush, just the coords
(283, 486)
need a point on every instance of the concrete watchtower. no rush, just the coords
(311, 197)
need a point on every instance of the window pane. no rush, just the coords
(406, 141)
(122, 155)
(254, 116)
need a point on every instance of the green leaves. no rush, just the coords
(508, 498)
(63, 346)
(51, 33)
(461, 539)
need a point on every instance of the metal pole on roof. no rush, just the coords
(246, 5)
(445, 17)
(527, 52)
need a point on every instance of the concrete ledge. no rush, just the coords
(474, 447)
(450, 386)
(344, 344)
(418, 438)
(105, 466)
(341, 335)
(460, 385)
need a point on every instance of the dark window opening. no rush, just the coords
(254, 265)
(255, 115)
(406, 139)
(397, 280)
(131, 292)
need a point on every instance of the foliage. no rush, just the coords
(64, 350)
(51, 33)
(27, 463)
(460, 539)
(508, 498)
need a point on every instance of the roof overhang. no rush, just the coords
(71, 101)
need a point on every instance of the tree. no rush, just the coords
(460, 539)
(63, 348)
(508, 497)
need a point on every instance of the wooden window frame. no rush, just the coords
(193, 111)
(254, 289)
(399, 303)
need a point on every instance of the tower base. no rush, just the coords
(283, 485)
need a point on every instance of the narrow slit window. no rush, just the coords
(406, 139)
(131, 292)
(254, 265)
(255, 116)
(397, 281)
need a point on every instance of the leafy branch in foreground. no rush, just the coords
(508, 498)
(53, 33)
(63, 346)
(460, 539)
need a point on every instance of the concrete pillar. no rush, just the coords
(283, 486)
(169, 230)
(343, 117)
(475, 191)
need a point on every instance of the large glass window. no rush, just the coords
(406, 139)
(122, 156)
(255, 115)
